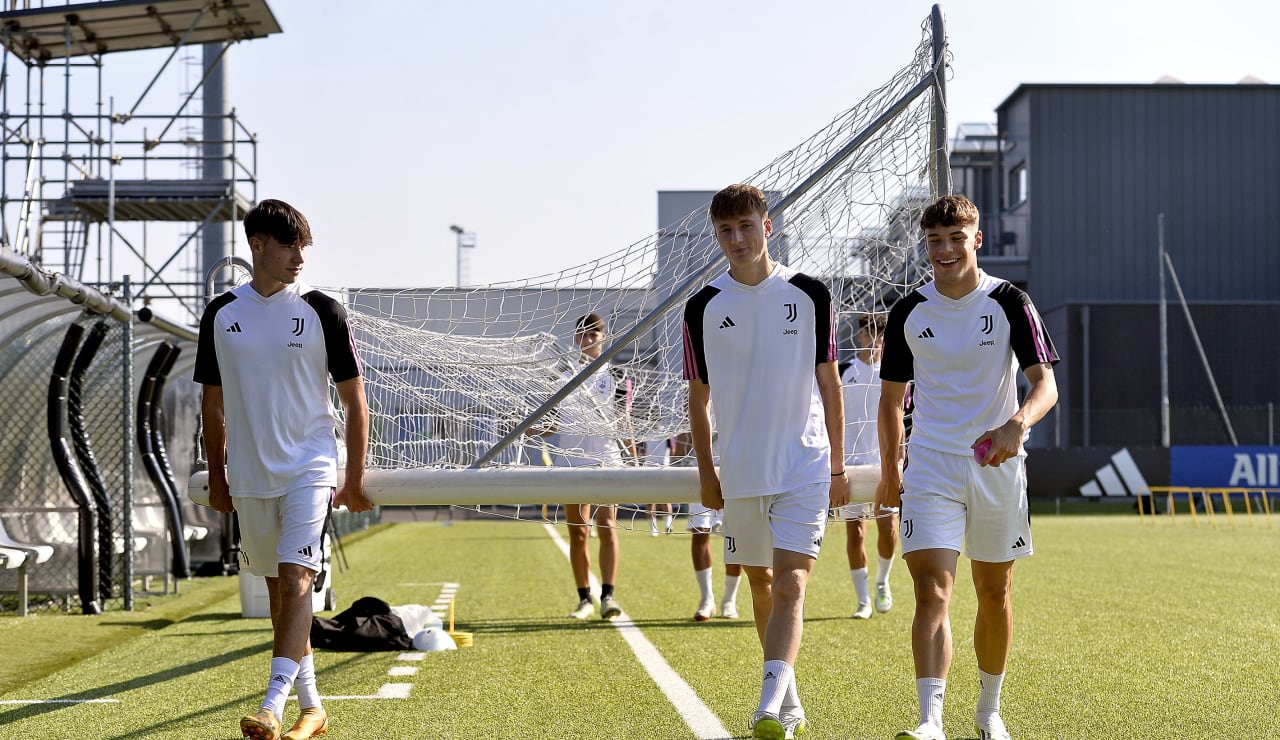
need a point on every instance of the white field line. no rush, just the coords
(704, 723)
(60, 701)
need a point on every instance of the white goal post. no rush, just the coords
(542, 485)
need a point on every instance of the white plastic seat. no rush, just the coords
(11, 558)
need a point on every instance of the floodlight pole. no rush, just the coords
(466, 240)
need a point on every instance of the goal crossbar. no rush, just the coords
(541, 485)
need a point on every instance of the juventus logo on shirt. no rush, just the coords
(298, 323)
(987, 324)
(792, 314)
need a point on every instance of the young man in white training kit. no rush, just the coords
(594, 404)
(266, 352)
(759, 346)
(861, 381)
(960, 338)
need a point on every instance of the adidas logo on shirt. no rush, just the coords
(728, 322)
(234, 328)
(305, 552)
(1019, 543)
(926, 334)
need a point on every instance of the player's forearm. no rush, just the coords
(1039, 400)
(890, 432)
(355, 410)
(831, 392)
(214, 429)
(833, 412)
(700, 438)
(357, 438)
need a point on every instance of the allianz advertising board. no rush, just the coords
(1233, 467)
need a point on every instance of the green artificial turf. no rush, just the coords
(1122, 629)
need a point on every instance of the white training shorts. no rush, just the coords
(757, 525)
(702, 519)
(282, 529)
(949, 500)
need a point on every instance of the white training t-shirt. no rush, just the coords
(590, 423)
(962, 355)
(273, 358)
(861, 405)
(757, 347)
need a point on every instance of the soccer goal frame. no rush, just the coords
(845, 205)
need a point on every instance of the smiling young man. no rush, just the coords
(266, 352)
(760, 348)
(960, 338)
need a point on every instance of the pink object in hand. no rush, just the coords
(980, 452)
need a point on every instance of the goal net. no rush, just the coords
(466, 383)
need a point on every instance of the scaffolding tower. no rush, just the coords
(93, 187)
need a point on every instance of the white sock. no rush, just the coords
(280, 683)
(989, 694)
(860, 585)
(931, 692)
(731, 589)
(882, 572)
(778, 677)
(704, 585)
(305, 684)
(791, 700)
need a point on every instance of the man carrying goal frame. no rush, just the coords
(760, 348)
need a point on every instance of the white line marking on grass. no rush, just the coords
(388, 691)
(411, 656)
(698, 716)
(402, 670)
(60, 701)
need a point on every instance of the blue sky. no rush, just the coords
(548, 128)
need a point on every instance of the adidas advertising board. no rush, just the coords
(1105, 472)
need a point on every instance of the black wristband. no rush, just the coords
(837, 475)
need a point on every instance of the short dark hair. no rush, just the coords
(949, 210)
(277, 219)
(737, 200)
(872, 323)
(587, 323)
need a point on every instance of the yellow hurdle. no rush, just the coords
(1169, 491)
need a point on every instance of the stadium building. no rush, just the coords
(1074, 181)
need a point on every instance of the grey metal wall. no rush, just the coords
(1108, 382)
(1103, 160)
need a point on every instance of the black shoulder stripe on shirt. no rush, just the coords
(897, 363)
(1027, 336)
(207, 371)
(695, 359)
(339, 345)
(824, 350)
